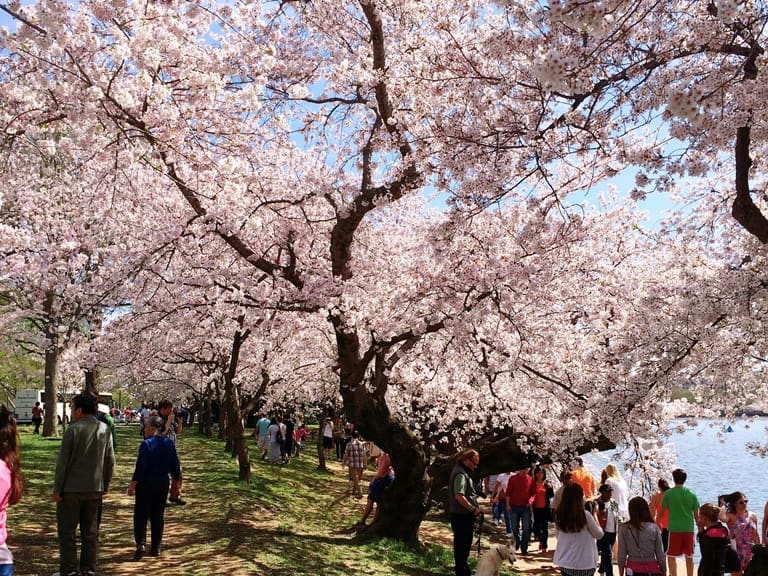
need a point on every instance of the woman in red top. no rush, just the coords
(298, 439)
(37, 417)
(541, 504)
(661, 515)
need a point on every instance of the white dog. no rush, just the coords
(493, 558)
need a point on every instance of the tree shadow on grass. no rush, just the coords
(287, 521)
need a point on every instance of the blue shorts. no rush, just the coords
(377, 486)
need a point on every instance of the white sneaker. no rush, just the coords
(496, 521)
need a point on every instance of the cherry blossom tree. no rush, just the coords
(195, 333)
(50, 275)
(297, 141)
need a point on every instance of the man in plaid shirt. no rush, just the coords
(355, 458)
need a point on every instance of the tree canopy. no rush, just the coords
(383, 201)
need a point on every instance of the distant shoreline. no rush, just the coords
(742, 413)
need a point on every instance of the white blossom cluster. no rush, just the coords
(553, 70)
(684, 104)
(390, 209)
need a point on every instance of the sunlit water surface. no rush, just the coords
(717, 463)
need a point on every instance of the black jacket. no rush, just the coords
(713, 543)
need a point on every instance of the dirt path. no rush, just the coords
(289, 521)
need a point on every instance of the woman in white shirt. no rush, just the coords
(577, 533)
(620, 489)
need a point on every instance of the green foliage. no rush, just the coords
(290, 519)
(397, 552)
(18, 369)
(682, 393)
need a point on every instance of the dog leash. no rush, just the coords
(479, 531)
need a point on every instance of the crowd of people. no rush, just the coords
(598, 525)
(279, 437)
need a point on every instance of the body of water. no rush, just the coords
(716, 464)
(722, 464)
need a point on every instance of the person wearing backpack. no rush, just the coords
(275, 441)
(608, 517)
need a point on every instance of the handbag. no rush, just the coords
(175, 488)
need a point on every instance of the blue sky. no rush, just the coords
(655, 204)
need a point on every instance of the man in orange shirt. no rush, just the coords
(583, 478)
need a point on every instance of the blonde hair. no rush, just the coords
(613, 471)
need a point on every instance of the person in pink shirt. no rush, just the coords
(11, 483)
(384, 477)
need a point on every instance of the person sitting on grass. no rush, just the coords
(384, 477)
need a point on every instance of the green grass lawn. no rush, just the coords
(289, 520)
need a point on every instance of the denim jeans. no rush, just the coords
(498, 509)
(518, 515)
(605, 547)
(6, 569)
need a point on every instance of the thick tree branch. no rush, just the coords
(744, 209)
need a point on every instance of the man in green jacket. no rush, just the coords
(462, 504)
(84, 470)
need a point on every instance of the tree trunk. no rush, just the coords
(205, 413)
(234, 419)
(327, 413)
(236, 432)
(320, 451)
(50, 421)
(406, 501)
(498, 453)
(91, 381)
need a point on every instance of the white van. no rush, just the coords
(25, 401)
